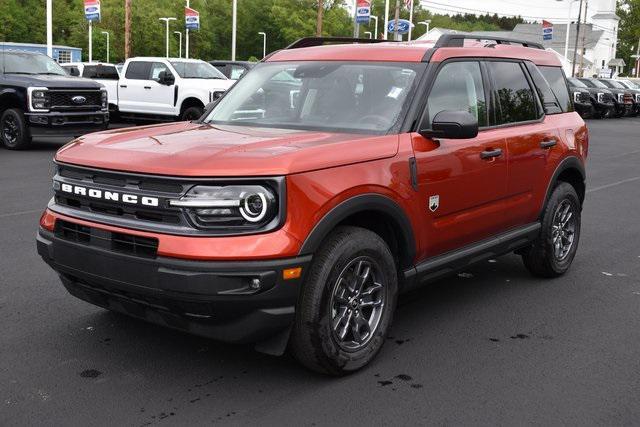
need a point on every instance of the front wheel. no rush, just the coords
(552, 253)
(347, 303)
(13, 130)
(191, 113)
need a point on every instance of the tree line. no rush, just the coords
(284, 21)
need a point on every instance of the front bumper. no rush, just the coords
(208, 298)
(72, 124)
(585, 109)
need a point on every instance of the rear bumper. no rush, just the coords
(64, 124)
(211, 299)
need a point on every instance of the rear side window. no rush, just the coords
(72, 70)
(516, 101)
(138, 70)
(458, 87)
(556, 79)
(103, 72)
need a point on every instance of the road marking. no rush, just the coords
(613, 184)
(7, 215)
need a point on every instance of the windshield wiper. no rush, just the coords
(19, 72)
(50, 74)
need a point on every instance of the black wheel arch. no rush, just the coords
(10, 98)
(572, 171)
(375, 212)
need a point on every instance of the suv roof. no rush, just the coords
(448, 46)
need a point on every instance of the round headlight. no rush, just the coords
(254, 207)
(38, 94)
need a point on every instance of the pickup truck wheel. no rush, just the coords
(346, 303)
(553, 252)
(191, 113)
(13, 130)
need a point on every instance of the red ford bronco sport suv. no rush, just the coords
(334, 176)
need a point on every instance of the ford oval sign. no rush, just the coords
(79, 100)
(403, 26)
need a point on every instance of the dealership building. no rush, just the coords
(62, 54)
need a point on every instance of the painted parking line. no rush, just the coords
(613, 184)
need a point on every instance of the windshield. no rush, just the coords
(577, 83)
(594, 83)
(28, 63)
(197, 70)
(613, 84)
(339, 96)
(630, 84)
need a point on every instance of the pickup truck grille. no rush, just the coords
(584, 97)
(62, 100)
(628, 98)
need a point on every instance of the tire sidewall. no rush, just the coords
(335, 358)
(562, 192)
(23, 138)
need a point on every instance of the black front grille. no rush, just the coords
(63, 100)
(584, 97)
(145, 247)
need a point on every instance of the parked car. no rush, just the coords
(234, 70)
(623, 104)
(39, 99)
(161, 89)
(635, 90)
(601, 103)
(628, 95)
(299, 227)
(105, 74)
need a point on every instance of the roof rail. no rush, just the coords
(320, 41)
(457, 40)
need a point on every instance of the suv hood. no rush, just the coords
(52, 82)
(193, 149)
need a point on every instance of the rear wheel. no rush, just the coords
(552, 253)
(347, 303)
(191, 113)
(13, 130)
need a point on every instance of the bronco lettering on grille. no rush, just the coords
(113, 196)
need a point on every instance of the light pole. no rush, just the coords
(234, 29)
(427, 22)
(375, 18)
(386, 18)
(369, 32)
(566, 43)
(167, 21)
(179, 33)
(49, 29)
(410, 19)
(186, 39)
(264, 43)
(106, 33)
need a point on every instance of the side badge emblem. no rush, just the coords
(434, 203)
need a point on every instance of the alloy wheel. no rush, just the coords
(10, 131)
(563, 230)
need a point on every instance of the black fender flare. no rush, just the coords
(13, 93)
(571, 162)
(361, 203)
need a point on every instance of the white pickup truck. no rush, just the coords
(161, 89)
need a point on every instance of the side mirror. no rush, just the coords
(166, 79)
(451, 125)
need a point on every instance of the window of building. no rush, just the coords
(64, 56)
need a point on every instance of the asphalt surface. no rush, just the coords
(491, 347)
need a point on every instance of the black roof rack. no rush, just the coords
(320, 41)
(457, 40)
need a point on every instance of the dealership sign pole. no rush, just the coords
(192, 22)
(91, 13)
(547, 31)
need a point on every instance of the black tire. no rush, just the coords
(191, 113)
(313, 340)
(13, 130)
(543, 259)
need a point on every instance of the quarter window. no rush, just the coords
(556, 79)
(458, 87)
(516, 101)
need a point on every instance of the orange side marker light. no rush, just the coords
(292, 273)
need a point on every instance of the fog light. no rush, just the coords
(255, 284)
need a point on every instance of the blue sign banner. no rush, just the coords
(363, 11)
(92, 10)
(403, 26)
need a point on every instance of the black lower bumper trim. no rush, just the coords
(220, 300)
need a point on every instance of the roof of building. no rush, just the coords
(55, 46)
(617, 62)
(606, 16)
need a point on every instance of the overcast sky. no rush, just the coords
(528, 9)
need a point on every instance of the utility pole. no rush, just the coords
(127, 29)
(575, 47)
(319, 22)
(396, 21)
(584, 37)
(49, 29)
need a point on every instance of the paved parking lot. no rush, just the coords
(492, 346)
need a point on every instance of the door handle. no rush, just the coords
(490, 154)
(123, 86)
(548, 144)
(148, 87)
